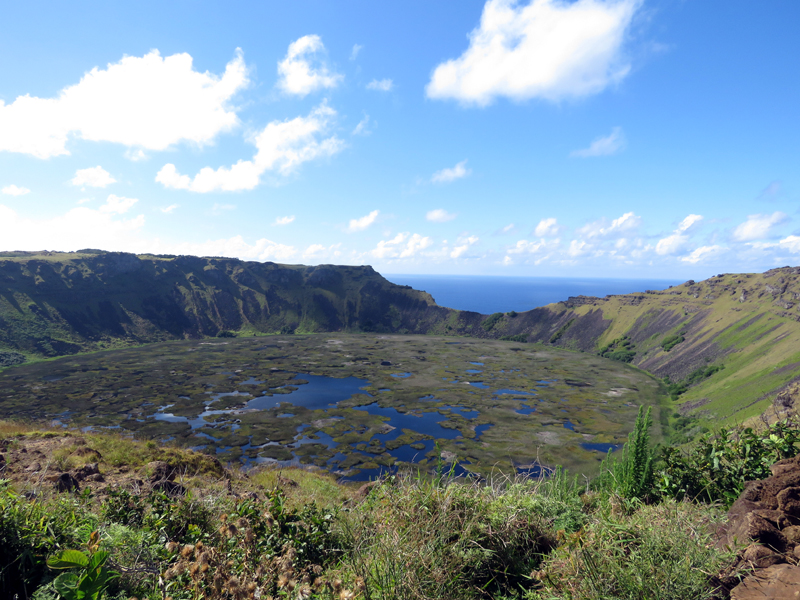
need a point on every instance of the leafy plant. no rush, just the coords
(632, 476)
(717, 466)
(88, 577)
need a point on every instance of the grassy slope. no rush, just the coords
(739, 321)
(63, 303)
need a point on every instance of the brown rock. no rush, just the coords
(33, 468)
(746, 525)
(785, 465)
(792, 534)
(85, 471)
(789, 501)
(778, 582)
(170, 488)
(796, 552)
(761, 556)
(67, 483)
(159, 471)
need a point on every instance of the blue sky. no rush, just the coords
(627, 138)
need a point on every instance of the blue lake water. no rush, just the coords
(489, 294)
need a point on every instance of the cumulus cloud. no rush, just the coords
(451, 174)
(236, 246)
(674, 243)
(546, 48)
(602, 229)
(80, 227)
(168, 210)
(757, 227)
(382, 85)
(303, 71)
(318, 251)
(463, 245)
(538, 251)
(363, 127)
(547, 228)
(362, 223)
(790, 243)
(145, 102)
(402, 245)
(440, 215)
(93, 177)
(284, 220)
(603, 146)
(118, 204)
(281, 147)
(14, 190)
(702, 253)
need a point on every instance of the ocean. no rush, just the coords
(489, 294)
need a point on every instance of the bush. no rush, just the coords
(620, 349)
(416, 538)
(669, 342)
(716, 467)
(661, 551)
(492, 320)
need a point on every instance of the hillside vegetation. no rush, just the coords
(727, 345)
(58, 303)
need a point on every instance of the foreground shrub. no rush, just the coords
(661, 552)
(417, 538)
(717, 466)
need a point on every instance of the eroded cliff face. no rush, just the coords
(62, 303)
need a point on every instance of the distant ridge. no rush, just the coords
(729, 344)
(55, 303)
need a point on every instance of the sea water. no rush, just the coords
(489, 294)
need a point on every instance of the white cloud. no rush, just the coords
(508, 228)
(313, 250)
(547, 228)
(80, 227)
(262, 250)
(702, 253)
(672, 244)
(757, 227)
(601, 229)
(93, 177)
(362, 223)
(117, 204)
(382, 85)
(14, 190)
(439, 215)
(547, 49)
(578, 248)
(603, 146)
(451, 174)
(303, 71)
(149, 102)
(401, 246)
(218, 208)
(463, 245)
(317, 252)
(135, 154)
(363, 127)
(356, 49)
(168, 210)
(284, 220)
(791, 243)
(282, 147)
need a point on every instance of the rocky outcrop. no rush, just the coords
(764, 525)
